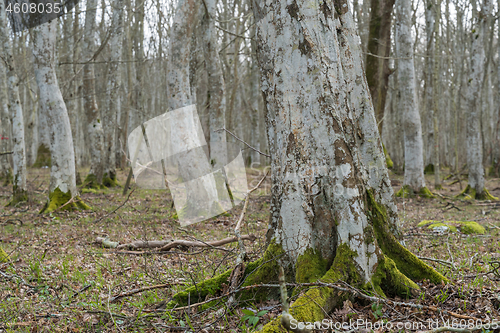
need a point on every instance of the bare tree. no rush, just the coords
(62, 189)
(476, 188)
(18, 146)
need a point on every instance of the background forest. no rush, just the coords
(72, 90)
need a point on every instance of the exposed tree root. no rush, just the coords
(470, 193)
(110, 180)
(18, 196)
(91, 182)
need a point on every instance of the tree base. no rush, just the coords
(91, 182)
(388, 160)
(57, 198)
(110, 180)
(407, 192)
(43, 157)
(470, 193)
(429, 169)
(19, 196)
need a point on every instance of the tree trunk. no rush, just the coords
(94, 126)
(414, 181)
(113, 98)
(216, 100)
(476, 187)
(62, 187)
(377, 59)
(5, 130)
(18, 146)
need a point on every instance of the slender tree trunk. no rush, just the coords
(94, 126)
(5, 130)
(216, 100)
(113, 92)
(476, 187)
(377, 59)
(414, 181)
(62, 173)
(18, 146)
(436, 93)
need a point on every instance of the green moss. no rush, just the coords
(57, 198)
(91, 182)
(391, 279)
(470, 193)
(466, 227)
(388, 159)
(405, 261)
(311, 306)
(429, 169)
(43, 157)
(407, 192)
(438, 187)
(4, 257)
(110, 180)
(425, 193)
(310, 266)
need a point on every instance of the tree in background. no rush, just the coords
(414, 181)
(333, 215)
(476, 188)
(62, 188)
(18, 146)
(113, 98)
(94, 125)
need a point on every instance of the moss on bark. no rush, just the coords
(388, 160)
(109, 180)
(91, 182)
(18, 195)
(405, 261)
(429, 169)
(407, 192)
(58, 198)
(470, 193)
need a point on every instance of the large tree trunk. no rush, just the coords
(414, 181)
(476, 187)
(94, 126)
(62, 173)
(113, 95)
(18, 147)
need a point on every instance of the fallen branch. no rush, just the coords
(166, 245)
(225, 129)
(6, 152)
(206, 244)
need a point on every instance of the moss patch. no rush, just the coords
(310, 266)
(470, 193)
(407, 192)
(405, 261)
(4, 257)
(58, 198)
(43, 157)
(91, 182)
(388, 160)
(391, 279)
(110, 180)
(466, 227)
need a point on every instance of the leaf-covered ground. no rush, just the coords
(60, 280)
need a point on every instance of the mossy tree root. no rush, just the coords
(407, 192)
(18, 196)
(57, 198)
(91, 182)
(470, 193)
(109, 180)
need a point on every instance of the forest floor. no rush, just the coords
(60, 280)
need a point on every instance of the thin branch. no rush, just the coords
(225, 129)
